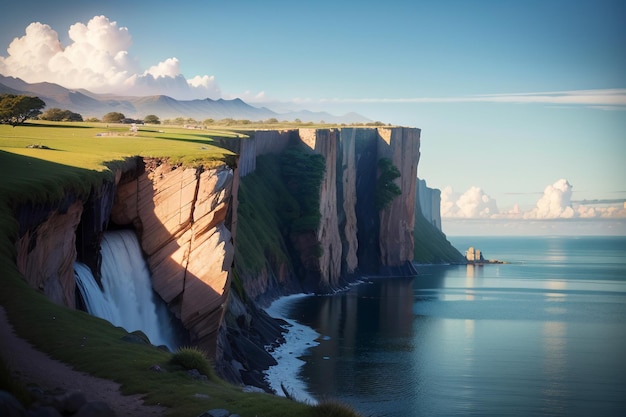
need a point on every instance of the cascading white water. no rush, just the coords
(128, 299)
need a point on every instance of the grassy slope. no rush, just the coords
(431, 245)
(77, 159)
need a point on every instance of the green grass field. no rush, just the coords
(75, 156)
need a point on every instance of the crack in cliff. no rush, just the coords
(199, 171)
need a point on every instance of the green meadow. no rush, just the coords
(38, 163)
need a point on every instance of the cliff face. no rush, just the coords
(180, 216)
(50, 234)
(397, 221)
(325, 143)
(46, 253)
(429, 203)
(353, 235)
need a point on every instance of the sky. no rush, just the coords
(522, 104)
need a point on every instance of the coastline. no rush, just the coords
(298, 340)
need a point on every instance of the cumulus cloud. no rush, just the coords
(474, 203)
(555, 203)
(98, 59)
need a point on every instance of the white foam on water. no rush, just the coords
(298, 340)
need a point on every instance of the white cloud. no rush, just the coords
(168, 68)
(97, 59)
(555, 204)
(474, 203)
(603, 99)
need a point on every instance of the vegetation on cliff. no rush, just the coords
(431, 245)
(281, 197)
(302, 173)
(261, 225)
(386, 188)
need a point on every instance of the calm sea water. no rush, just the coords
(544, 335)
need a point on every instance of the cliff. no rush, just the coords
(272, 257)
(182, 217)
(429, 203)
(352, 236)
(46, 251)
(196, 223)
(431, 245)
(397, 221)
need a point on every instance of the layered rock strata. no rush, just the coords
(180, 216)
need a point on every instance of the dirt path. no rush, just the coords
(33, 366)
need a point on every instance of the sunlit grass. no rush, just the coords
(82, 155)
(90, 146)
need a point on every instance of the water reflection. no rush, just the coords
(474, 271)
(554, 393)
(510, 339)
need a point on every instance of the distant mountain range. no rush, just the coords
(89, 104)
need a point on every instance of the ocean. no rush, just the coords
(541, 335)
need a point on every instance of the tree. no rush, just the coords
(113, 117)
(16, 109)
(151, 119)
(57, 115)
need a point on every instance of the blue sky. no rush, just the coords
(478, 77)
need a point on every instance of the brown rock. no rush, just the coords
(181, 217)
(397, 221)
(45, 255)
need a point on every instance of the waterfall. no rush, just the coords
(128, 299)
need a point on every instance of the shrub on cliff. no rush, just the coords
(386, 189)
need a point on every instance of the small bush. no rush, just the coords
(333, 409)
(190, 357)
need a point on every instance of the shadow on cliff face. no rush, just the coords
(179, 215)
(47, 200)
(368, 230)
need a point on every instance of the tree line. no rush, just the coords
(16, 109)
